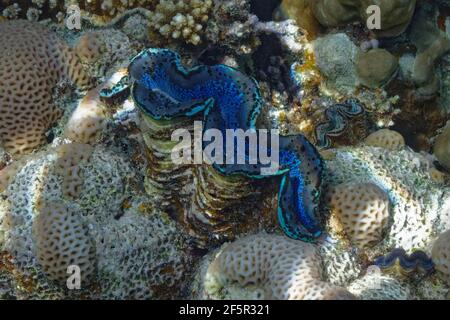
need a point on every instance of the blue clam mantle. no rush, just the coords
(228, 99)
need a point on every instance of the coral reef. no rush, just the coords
(274, 266)
(184, 20)
(363, 211)
(114, 157)
(33, 62)
(336, 56)
(419, 207)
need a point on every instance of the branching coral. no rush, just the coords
(180, 20)
(33, 60)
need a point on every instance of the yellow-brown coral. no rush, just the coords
(33, 60)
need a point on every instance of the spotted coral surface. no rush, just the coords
(33, 60)
(63, 241)
(363, 211)
(280, 267)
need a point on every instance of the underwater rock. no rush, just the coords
(376, 67)
(33, 61)
(441, 147)
(278, 267)
(441, 255)
(363, 211)
(385, 138)
(336, 58)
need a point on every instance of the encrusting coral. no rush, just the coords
(33, 61)
(275, 266)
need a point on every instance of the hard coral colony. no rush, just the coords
(334, 184)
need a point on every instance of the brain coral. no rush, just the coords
(385, 138)
(441, 255)
(280, 267)
(62, 241)
(33, 60)
(419, 207)
(363, 211)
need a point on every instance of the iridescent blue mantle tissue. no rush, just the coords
(164, 90)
